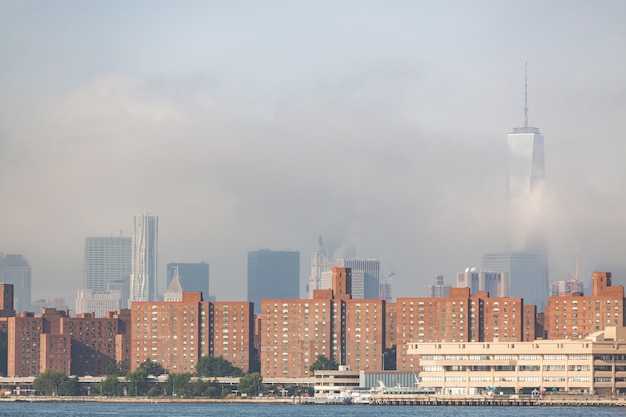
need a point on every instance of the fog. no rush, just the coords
(380, 126)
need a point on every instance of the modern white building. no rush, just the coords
(98, 302)
(594, 365)
(143, 278)
(495, 283)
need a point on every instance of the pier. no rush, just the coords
(497, 401)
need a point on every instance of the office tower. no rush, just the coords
(143, 278)
(319, 264)
(193, 277)
(365, 277)
(526, 182)
(439, 290)
(273, 274)
(526, 272)
(107, 260)
(107, 275)
(527, 260)
(14, 269)
(495, 283)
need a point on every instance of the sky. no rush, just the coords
(246, 125)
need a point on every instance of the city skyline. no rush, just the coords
(379, 126)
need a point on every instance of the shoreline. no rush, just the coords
(439, 401)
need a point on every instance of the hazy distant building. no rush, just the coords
(527, 259)
(174, 291)
(14, 269)
(106, 275)
(365, 277)
(319, 264)
(273, 274)
(439, 290)
(527, 274)
(98, 302)
(193, 277)
(143, 278)
(107, 259)
(566, 286)
(495, 283)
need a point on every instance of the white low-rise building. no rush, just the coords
(595, 365)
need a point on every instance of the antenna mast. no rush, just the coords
(526, 94)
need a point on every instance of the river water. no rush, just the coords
(279, 410)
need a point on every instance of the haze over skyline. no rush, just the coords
(252, 125)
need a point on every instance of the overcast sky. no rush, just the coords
(262, 124)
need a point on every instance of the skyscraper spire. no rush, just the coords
(525, 128)
(526, 94)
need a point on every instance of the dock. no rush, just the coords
(498, 401)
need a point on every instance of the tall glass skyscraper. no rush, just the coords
(143, 278)
(527, 260)
(14, 269)
(273, 275)
(107, 261)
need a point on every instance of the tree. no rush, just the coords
(323, 363)
(151, 367)
(250, 383)
(53, 382)
(119, 368)
(110, 386)
(137, 382)
(209, 366)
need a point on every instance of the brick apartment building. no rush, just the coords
(575, 316)
(460, 317)
(81, 345)
(176, 334)
(294, 332)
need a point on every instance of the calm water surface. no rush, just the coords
(193, 410)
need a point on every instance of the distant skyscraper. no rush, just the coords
(107, 263)
(193, 277)
(14, 269)
(495, 283)
(273, 275)
(319, 264)
(365, 277)
(527, 261)
(439, 290)
(143, 278)
(106, 283)
(527, 177)
(526, 272)
(174, 291)
(560, 288)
